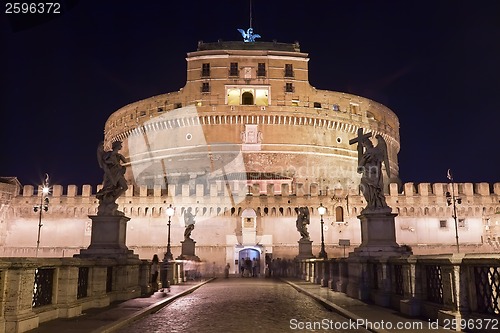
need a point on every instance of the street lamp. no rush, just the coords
(168, 254)
(42, 206)
(322, 253)
(452, 199)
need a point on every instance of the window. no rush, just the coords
(205, 87)
(317, 105)
(335, 107)
(261, 69)
(295, 102)
(160, 109)
(247, 98)
(178, 105)
(288, 70)
(289, 87)
(354, 108)
(443, 224)
(205, 70)
(461, 223)
(339, 214)
(233, 69)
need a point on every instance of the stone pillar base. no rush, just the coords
(188, 250)
(305, 249)
(378, 235)
(108, 238)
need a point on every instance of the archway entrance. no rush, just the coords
(249, 262)
(247, 98)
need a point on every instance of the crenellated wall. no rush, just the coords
(424, 219)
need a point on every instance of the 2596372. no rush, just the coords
(32, 8)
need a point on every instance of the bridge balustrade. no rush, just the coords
(35, 290)
(444, 287)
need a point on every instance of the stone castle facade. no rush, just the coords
(244, 143)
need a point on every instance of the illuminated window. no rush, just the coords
(261, 69)
(205, 70)
(288, 70)
(248, 95)
(233, 69)
(289, 87)
(295, 102)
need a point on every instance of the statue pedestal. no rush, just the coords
(305, 249)
(378, 235)
(188, 250)
(109, 233)
(378, 242)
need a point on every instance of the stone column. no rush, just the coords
(18, 313)
(66, 292)
(325, 272)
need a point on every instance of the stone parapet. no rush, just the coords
(41, 289)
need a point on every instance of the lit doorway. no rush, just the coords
(246, 268)
(247, 98)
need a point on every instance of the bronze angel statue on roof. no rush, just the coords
(248, 36)
(114, 183)
(370, 166)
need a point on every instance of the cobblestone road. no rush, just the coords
(242, 305)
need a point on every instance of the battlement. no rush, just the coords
(270, 188)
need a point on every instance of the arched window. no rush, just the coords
(247, 98)
(339, 214)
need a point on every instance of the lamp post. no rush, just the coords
(322, 253)
(165, 267)
(452, 199)
(170, 213)
(42, 206)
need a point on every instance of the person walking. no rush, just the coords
(155, 267)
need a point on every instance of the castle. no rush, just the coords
(244, 143)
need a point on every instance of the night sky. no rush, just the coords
(436, 64)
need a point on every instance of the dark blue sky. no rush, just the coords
(436, 64)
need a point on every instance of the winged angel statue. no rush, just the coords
(302, 222)
(114, 183)
(370, 166)
(248, 36)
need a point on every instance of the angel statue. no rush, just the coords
(370, 166)
(248, 36)
(189, 223)
(302, 222)
(114, 183)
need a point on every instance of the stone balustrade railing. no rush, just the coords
(35, 290)
(455, 288)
